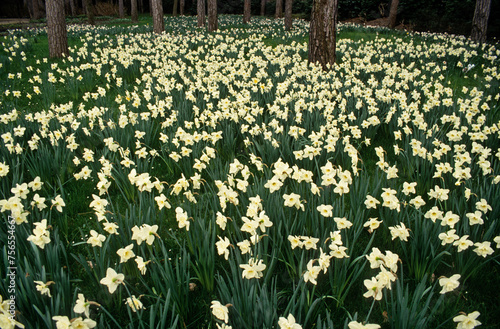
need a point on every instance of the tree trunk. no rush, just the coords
(37, 13)
(322, 33)
(480, 21)
(393, 13)
(263, 7)
(157, 13)
(174, 11)
(181, 7)
(72, 7)
(201, 8)
(279, 9)
(247, 11)
(90, 11)
(121, 9)
(212, 15)
(133, 11)
(56, 28)
(288, 15)
(29, 6)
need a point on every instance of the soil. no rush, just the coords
(379, 22)
(10, 21)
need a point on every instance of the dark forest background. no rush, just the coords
(452, 16)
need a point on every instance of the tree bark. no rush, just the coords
(480, 21)
(288, 15)
(279, 9)
(133, 11)
(247, 11)
(90, 12)
(393, 13)
(56, 28)
(174, 11)
(212, 15)
(121, 9)
(322, 31)
(72, 7)
(37, 13)
(201, 8)
(157, 13)
(29, 6)
(181, 7)
(263, 7)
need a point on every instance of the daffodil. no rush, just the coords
(112, 280)
(467, 321)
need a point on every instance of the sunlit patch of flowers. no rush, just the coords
(266, 173)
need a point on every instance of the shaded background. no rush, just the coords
(452, 16)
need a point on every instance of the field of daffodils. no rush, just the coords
(196, 180)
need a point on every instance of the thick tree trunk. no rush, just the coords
(90, 12)
(288, 15)
(181, 7)
(121, 9)
(56, 28)
(212, 15)
(157, 13)
(174, 11)
(480, 21)
(133, 11)
(263, 7)
(279, 9)
(322, 33)
(393, 13)
(247, 10)
(201, 8)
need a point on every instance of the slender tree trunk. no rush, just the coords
(72, 7)
(279, 9)
(212, 15)
(263, 7)
(84, 6)
(393, 13)
(201, 8)
(56, 28)
(29, 6)
(133, 11)
(37, 13)
(247, 10)
(288, 15)
(181, 7)
(157, 13)
(174, 11)
(322, 33)
(90, 11)
(121, 9)
(480, 20)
